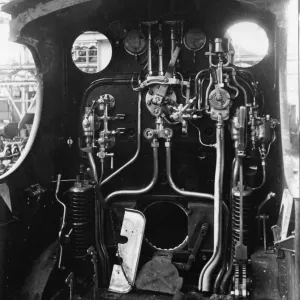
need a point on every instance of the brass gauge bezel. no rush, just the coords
(194, 31)
(133, 34)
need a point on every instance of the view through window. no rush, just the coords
(18, 96)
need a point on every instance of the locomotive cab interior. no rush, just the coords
(153, 152)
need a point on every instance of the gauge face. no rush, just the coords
(135, 42)
(194, 39)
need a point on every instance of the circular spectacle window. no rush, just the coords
(250, 43)
(21, 101)
(91, 52)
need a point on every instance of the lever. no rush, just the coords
(70, 282)
(198, 243)
(91, 251)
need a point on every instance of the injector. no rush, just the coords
(107, 138)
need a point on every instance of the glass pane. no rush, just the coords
(250, 43)
(18, 99)
(91, 52)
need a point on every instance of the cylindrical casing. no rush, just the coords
(221, 45)
(80, 217)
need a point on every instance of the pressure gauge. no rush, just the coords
(135, 42)
(194, 39)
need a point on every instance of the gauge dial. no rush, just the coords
(135, 42)
(194, 39)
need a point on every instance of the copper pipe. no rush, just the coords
(139, 133)
(173, 185)
(146, 188)
(206, 273)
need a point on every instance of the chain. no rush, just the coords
(117, 248)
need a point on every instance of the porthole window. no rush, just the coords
(91, 52)
(20, 101)
(250, 43)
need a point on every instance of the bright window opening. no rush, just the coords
(250, 43)
(19, 100)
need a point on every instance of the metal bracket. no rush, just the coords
(287, 244)
(133, 228)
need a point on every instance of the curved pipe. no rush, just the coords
(199, 74)
(207, 91)
(249, 87)
(93, 166)
(224, 253)
(143, 190)
(201, 92)
(173, 185)
(264, 177)
(232, 87)
(242, 89)
(206, 273)
(237, 84)
(139, 132)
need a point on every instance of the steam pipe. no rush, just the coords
(196, 90)
(201, 92)
(207, 90)
(242, 89)
(250, 88)
(264, 176)
(206, 273)
(232, 87)
(173, 185)
(139, 133)
(160, 55)
(225, 252)
(234, 181)
(237, 84)
(149, 51)
(199, 74)
(93, 166)
(144, 190)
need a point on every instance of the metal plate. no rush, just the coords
(133, 229)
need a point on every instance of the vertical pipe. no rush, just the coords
(149, 51)
(160, 54)
(93, 166)
(206, 273)
(173, 46)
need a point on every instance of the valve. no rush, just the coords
(102, 155)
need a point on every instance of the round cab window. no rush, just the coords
(250, 43)
(91, 52)
(20, 102)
